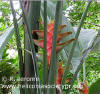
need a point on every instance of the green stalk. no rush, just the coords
(45, 64)
(32, 47)
(84, 71)
(33, 19)
(53, 63)
(30, 39)
(74, 44)
(20, 55)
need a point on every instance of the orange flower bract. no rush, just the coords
(40, 43)
(50, 29)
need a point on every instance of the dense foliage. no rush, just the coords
(4, 15)
(8, 69)
(93, 17)
(9, 66)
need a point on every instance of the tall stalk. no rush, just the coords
(20, 55)
(53, 63)
(38, 91)
(33, 18)
(45, 64)
(84, 71)
(30, 38)
(74, 44)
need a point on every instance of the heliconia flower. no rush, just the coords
(84, 89)
(50, 29)
(68, 80)
(59, 73)
(40, 43)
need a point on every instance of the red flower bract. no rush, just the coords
(50, 29)
(84, 89)
(59, 73)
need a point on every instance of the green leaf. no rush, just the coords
(4, 38)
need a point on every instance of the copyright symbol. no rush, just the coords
(4, 79)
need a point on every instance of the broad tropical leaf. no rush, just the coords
(85, 40)
(4, 38)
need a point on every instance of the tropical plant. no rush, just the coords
(4, 15)
(56, 67)
(92, 19)
(7, 70)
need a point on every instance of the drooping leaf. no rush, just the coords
(4, 38)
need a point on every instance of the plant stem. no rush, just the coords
(84, 71)
(33, 19)
(45, 64)
(20, 55)
(53, 63)
(74, 44)
(30, 38)
(32, 46)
